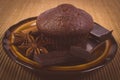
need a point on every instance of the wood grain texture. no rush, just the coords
(104, 12)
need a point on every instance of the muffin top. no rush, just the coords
(64, 20)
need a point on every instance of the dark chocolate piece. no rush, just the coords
(100, 32)
(52, 58)
(79, 52)
(59, 57)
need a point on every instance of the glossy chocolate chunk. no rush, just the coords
(58, 57)
(81, 53)
(52, 58)
(100, 33)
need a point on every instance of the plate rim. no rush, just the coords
(8, 52)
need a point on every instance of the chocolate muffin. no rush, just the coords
(65, 25)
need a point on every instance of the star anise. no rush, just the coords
(32, 45)
(19, 38)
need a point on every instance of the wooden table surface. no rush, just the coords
(104, 12)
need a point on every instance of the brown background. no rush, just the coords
(104, 12)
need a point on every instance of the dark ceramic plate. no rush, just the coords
(105, 52)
